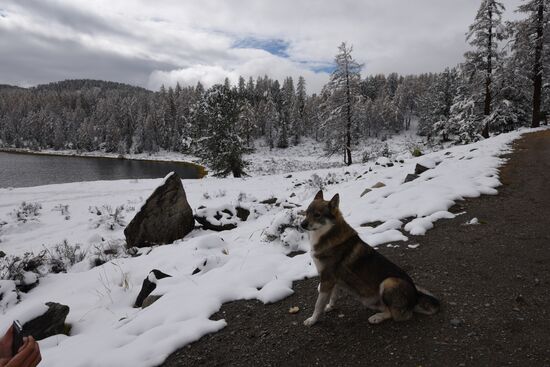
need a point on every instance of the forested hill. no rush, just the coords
(84, 84)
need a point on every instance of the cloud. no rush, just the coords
(149, 43)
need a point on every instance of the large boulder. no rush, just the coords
(52, 322)
(164, 218)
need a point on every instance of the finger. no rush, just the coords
(36, 357)
(25, 353)
(25, 343)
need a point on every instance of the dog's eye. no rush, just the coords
(317, 215)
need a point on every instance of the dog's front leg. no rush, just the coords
(325, 290)
(322, 301)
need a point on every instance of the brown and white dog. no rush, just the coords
(345, 262)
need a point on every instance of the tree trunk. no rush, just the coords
(489, 72)
(537, 69)
(348, 120)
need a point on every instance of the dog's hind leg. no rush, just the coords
(399, 296)
(380, 317)
(336, 293)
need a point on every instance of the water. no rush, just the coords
(23, 170)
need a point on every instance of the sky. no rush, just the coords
(154, 42)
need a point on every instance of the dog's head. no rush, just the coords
(321, 213)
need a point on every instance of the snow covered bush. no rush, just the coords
(108, 218)
(318, 183)
(106, 251)
(376, 149)
(285, 228)
(22, 270)
(63, 210)
(62, 256)
(27, 212)
(9, 296)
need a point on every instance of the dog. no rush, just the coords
(346, 263)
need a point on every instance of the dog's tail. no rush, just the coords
(427, 303)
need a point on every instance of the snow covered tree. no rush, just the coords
(287, 114)
(299, 111)
(484, 35)
(268, 117)
(406, 101)
(222, 147)
(342, 90)
(531, 38)
(247, 122)
(436, 106)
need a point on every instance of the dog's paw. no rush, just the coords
(329, 307)
(377, 318)
(310, 321)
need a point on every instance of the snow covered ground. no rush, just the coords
(245, 263)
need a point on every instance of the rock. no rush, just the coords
(372, 224)
(52, 322)
(242, 213)
(150, 300)
(288, 176)
(271, 201)
(419, 169)
(456, 322)
(165, 217)
(365, 192)
(378, 185)
(410, 177)
(206, 224)
(149, 284)
(2, 254)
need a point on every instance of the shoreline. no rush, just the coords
(201, 170)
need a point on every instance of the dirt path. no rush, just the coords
(493, 278)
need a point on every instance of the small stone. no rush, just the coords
(378, 185)
(537, 281)
(294, 310)
(410, 177)
(341, 315)
(365, 192)
(419, 169)
(456, 322)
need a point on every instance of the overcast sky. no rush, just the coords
(151, 42)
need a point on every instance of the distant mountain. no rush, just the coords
(86, 84)
(7, 86)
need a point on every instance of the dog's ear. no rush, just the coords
(334, 202)
(319, 195)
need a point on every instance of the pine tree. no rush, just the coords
(436, 106)
(343, 89)
(287, 114)
(247, 122)
(222, 148)
(532, 37)
(484, 35)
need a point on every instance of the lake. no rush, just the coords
(23, 170)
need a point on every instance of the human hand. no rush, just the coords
(27, 356)
(5, 345)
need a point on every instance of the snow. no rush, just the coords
(249, 262)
